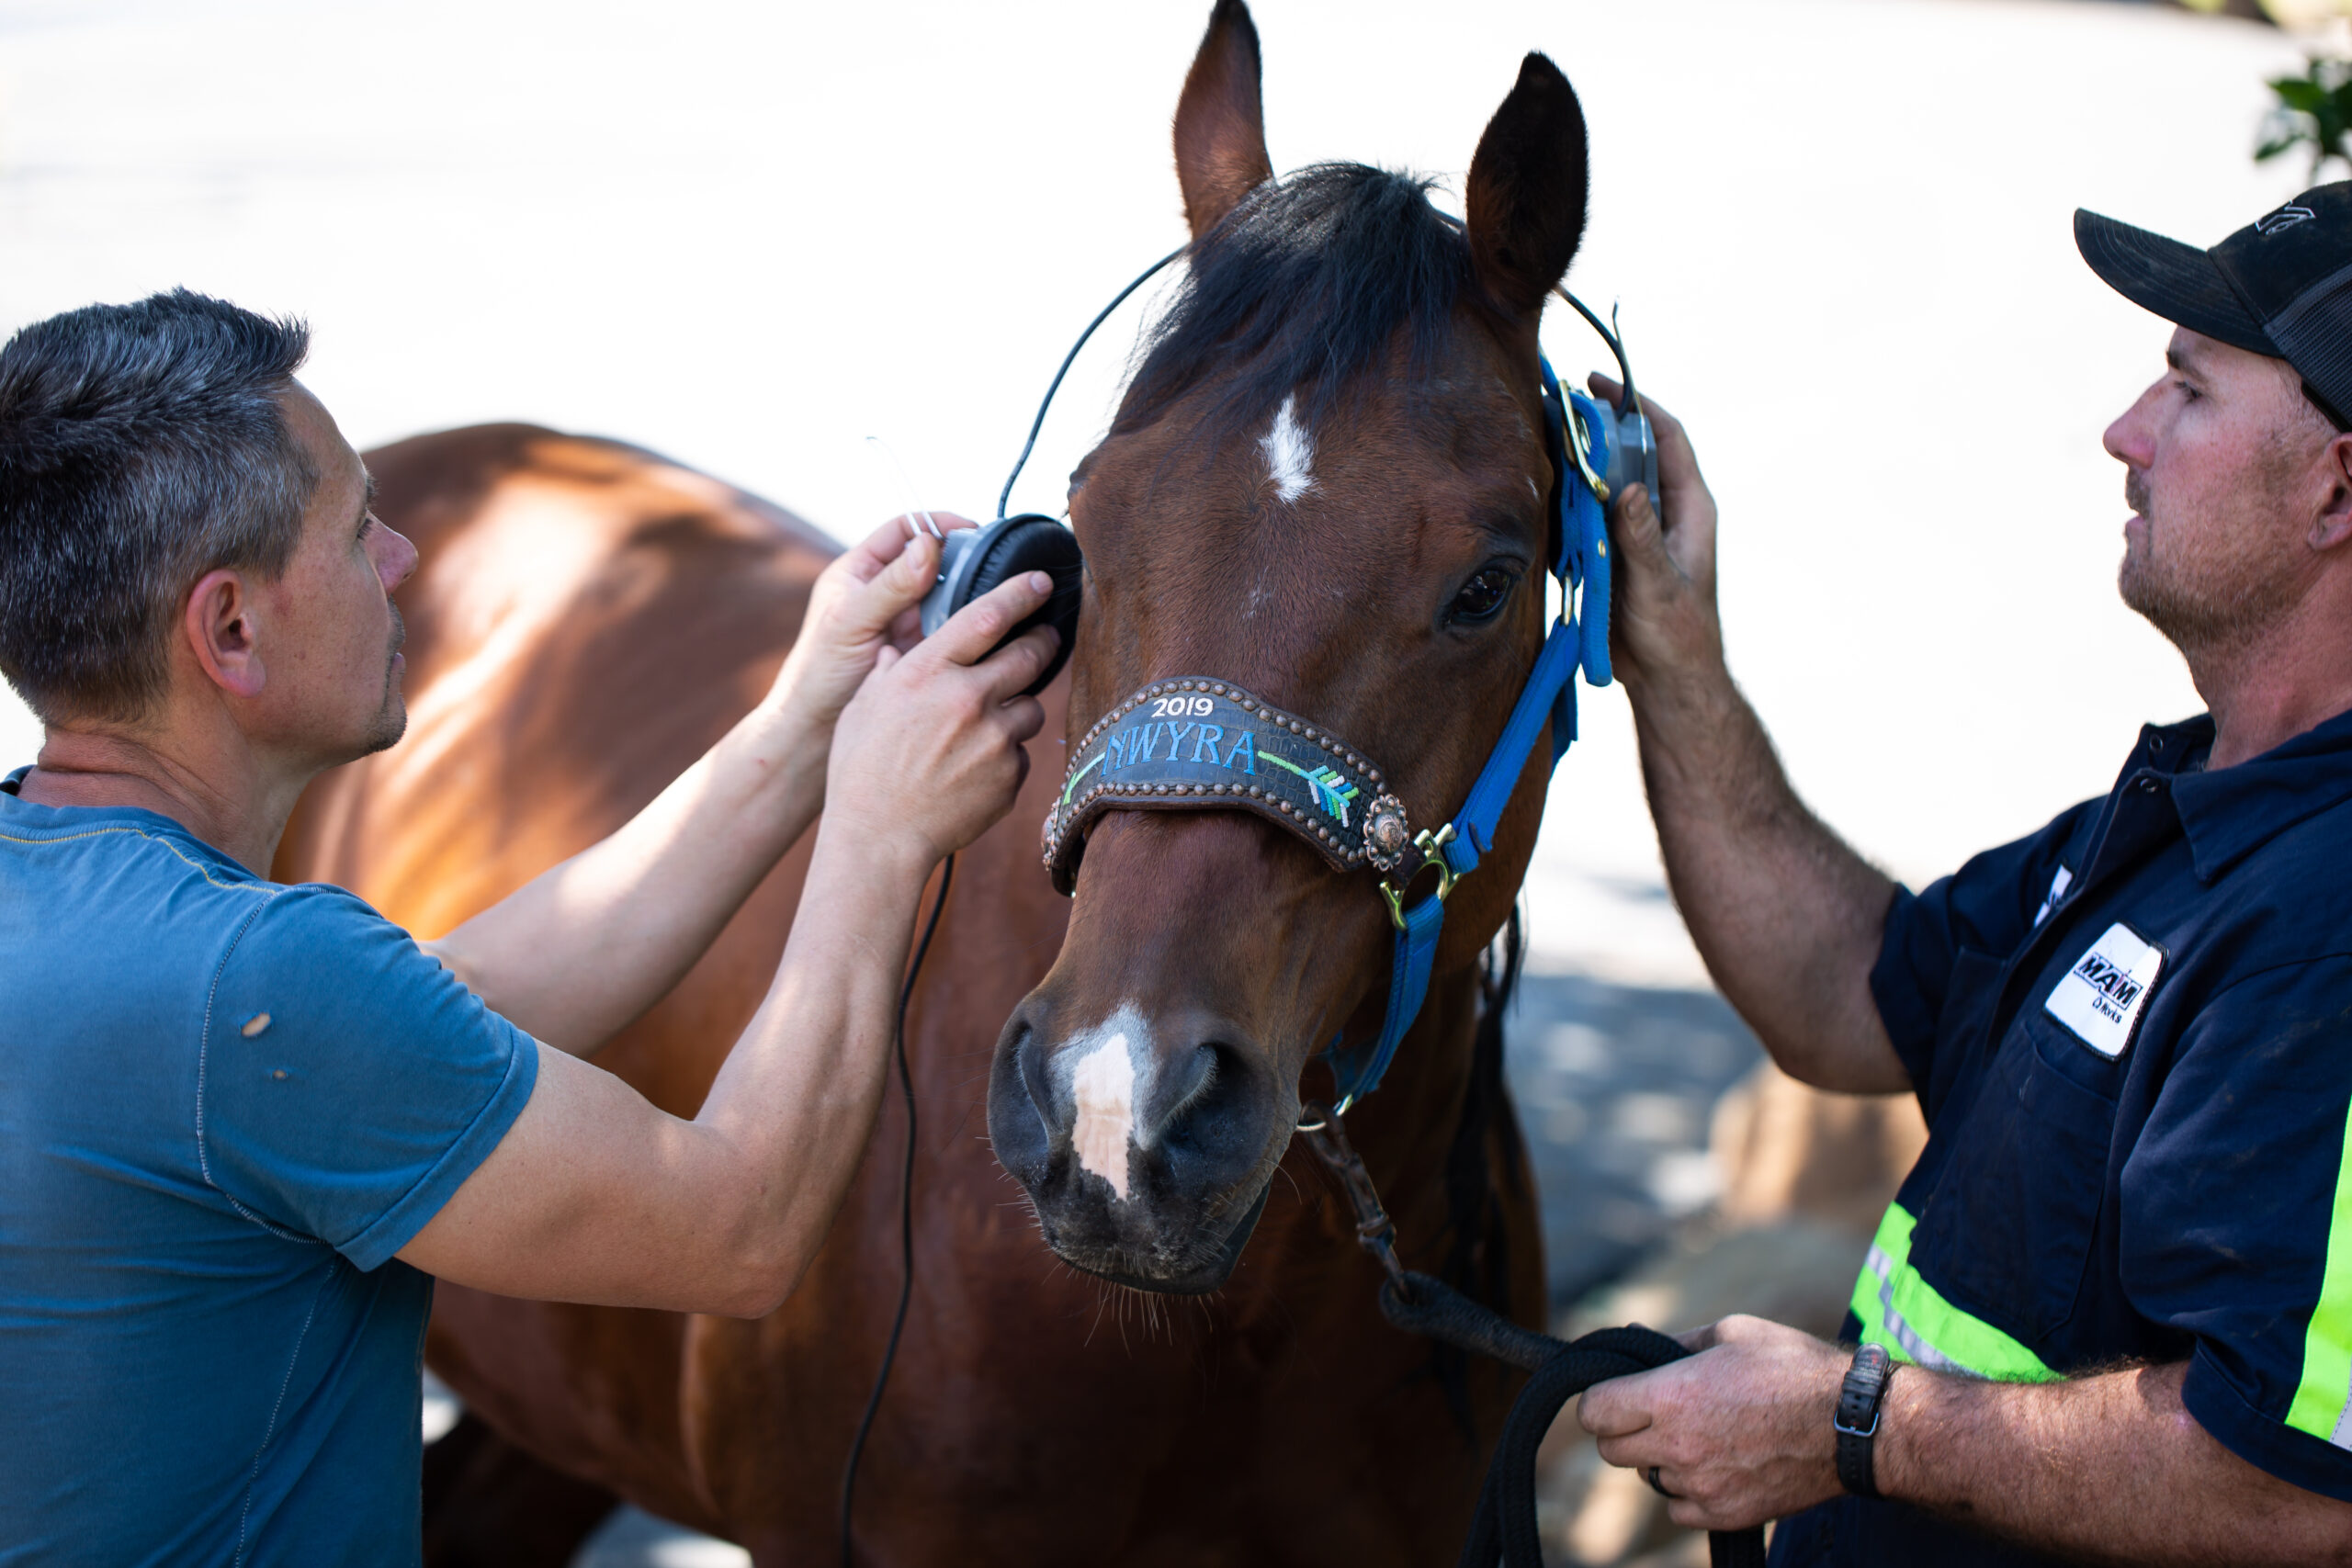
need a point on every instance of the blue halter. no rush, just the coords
(1579, 432)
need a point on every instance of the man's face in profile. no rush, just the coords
(334, 660)
(2217, 455)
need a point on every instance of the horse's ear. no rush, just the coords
(1527, 189)
(1220, 124)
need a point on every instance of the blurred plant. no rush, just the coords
(2300, 16)
(2314, 110)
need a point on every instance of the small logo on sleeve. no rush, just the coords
(2101, 996)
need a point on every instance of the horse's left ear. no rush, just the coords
(1527, 190)
(1220, 120)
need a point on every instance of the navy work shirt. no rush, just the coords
(2131, 1035)
(224, 1105)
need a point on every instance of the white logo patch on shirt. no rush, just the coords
(2101, 996)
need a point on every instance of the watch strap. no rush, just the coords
(1856, 1420)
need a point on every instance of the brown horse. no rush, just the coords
(1327, 483)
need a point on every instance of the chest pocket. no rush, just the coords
(2007, 1228)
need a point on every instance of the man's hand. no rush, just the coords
(1739, 1432)
(1663, 622)
(931, 744)
(870, 598)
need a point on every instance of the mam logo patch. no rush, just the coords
(2101, 996)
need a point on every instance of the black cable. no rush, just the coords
(906, 1214)
(1068, 360)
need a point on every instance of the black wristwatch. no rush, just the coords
(1856, 1421)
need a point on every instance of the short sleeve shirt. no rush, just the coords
(2131, 1035)
(225, 1103)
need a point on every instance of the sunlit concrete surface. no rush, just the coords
(750, 235)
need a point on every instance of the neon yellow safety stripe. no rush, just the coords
(2321, 1399)
(1903, 1311)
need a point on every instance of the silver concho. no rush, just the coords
(1386, 837)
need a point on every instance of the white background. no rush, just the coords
(750, 235)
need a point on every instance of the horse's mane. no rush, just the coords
(1303, 284)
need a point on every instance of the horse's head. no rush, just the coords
(1329, 485)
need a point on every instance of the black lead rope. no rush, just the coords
(1504, 1530)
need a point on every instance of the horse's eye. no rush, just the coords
(1484, 594)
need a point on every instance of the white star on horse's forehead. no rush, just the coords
(1290, 452)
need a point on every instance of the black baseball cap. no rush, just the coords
(2281, 286)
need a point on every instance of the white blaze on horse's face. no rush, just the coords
(1103, 1079)
(1290, 452)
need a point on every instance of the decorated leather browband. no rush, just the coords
(1192, 744)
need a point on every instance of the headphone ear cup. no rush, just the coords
(1033, 542)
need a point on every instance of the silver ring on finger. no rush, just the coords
(1650, 1475)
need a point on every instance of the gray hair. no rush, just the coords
(140, 446)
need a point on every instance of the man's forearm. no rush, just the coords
(2109, 1468)
(596, 1196)
(577, 953)
(798, 1096)
(1787, 917)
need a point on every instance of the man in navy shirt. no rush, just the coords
(242, 1125)
(2109, 1315)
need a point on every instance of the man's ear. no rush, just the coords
(219, 626)
(1220, 121)
(1525, 198)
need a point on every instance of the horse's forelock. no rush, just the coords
(1302, 288)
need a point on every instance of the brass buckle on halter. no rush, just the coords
(1430, 844)
(1580, 444)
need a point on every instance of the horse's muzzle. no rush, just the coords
(1145, 1144)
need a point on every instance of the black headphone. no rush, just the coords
(974, 560)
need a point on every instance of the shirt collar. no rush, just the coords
(2228, 813)
(18, 814)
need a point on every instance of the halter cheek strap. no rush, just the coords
(1198, 743)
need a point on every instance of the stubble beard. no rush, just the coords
(2210, 603)
(391, 717)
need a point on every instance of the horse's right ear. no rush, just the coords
(1220, 124)
(1526, 197)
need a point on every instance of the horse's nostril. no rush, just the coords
(1031, 1061)
(1195, 1090)
(1206, 1125)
